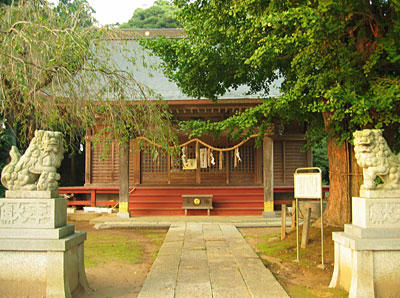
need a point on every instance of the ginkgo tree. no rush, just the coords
(338, 64)
(162, 14)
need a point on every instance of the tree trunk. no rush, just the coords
(338, 210)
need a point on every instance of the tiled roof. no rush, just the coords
(147, 69)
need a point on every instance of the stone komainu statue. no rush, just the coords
(375, 157)
(37, 168)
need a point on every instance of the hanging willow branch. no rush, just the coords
(57, 74)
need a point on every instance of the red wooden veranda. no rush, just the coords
(167, 200)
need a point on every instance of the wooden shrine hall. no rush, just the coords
(237, 177)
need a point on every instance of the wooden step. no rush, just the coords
(168, 200)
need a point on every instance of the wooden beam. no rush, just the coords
(268, 171)
(283, 222)
(227, 165)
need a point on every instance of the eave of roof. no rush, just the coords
(134, 34)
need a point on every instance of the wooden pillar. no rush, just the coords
(169, 160)
(227, 167)
(268, 176)
(123, 180)
(306, 229)
(88, 162)
(198, 177)
(283, 222)
(93, 197)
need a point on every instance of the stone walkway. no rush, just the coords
(208, 260)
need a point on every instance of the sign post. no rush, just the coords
(308, 185)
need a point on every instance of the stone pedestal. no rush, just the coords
(40, 255)
(367, 253)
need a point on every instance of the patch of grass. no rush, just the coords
(304, 292)
(100, 248)
(283, 250)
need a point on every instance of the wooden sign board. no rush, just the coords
(203, 158)
(308, 185)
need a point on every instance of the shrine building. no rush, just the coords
(238, 177)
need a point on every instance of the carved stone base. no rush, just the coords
(57, 233)
(367, 253)
(32, 194)
(33, 213)
(380, 193)
(40, 255)
(376, 212)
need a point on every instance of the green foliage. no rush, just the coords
(9, 2)
(161, 15)
(68, 9)
(337, 57)
(6, 141)
(320, 159)
(58, 72)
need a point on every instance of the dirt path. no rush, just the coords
(303, 279)
(113, 277)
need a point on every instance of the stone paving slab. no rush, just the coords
(208, 260)
(111, 221)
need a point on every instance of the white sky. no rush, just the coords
(113, 11)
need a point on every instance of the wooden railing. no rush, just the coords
(93, 202)
(70, 192)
